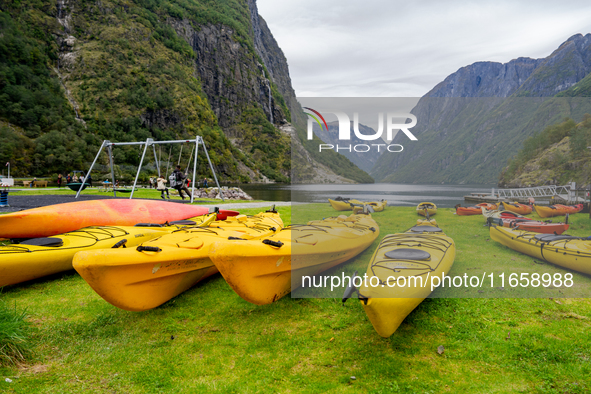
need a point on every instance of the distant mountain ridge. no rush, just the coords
(363, 160)
(472, 122)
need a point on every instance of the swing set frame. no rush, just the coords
(108, 145)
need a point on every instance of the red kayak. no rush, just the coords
(528, 224)
(475, 210)
(63, 218)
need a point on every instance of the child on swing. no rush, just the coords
(161, 186)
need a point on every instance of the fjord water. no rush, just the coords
(397, 194)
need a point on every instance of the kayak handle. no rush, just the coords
(148, 249)
(273, 243)
(352, 289)
(120, 244)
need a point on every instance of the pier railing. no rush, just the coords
(542, 194)
(564, 192)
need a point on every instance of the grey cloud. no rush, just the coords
(395, 48)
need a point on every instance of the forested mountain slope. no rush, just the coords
(75, 72)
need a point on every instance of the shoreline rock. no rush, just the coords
(229, 193)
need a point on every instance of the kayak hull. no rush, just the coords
(557, 210)
(24, 262)
(521, 209)
(475, 210)
(377, 206)
(430, 207)
(63, 218)
(262, 271)
(568, 252)
(388, 302)
(531, 225)
(138, 280)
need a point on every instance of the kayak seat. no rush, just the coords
(183, 223)
(552, 237)
(53, 242)
(426, 229)
(408, 254)
(148, 225)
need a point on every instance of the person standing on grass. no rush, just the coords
(161, 186)
(180, 182)
(59, 180)
(205, 182)
(69, 179)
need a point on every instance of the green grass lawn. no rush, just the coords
(208, 338)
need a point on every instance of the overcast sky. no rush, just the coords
(391, 48)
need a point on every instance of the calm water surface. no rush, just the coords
(396, 194)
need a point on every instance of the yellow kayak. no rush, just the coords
(376, 206)
(145, 277)
(38, 257)
(262, 271)
(556, 210)
(429, 207)
(393, 287)
(521, 209)
(564, 250)
(343, 204)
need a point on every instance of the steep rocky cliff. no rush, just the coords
(470, 124)
(162, 69)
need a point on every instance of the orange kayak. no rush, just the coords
(516, 207)
(475, 210)
(557, 210)
(63, 218)
(487, 205)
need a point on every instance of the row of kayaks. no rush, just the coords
(543, 240)
(522, 209)
(140, 267)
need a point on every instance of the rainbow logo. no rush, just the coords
(316, 119)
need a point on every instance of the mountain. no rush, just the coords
(474, 121)
(557, 155)
(73, 73)
(363, 160)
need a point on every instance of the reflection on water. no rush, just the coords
(445, 196)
